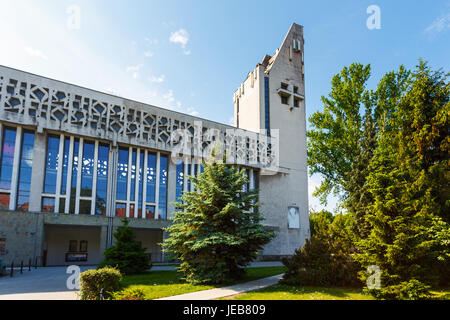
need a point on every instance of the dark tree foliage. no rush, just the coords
(327, 258)
(409, 181)
(217, 228)
(386, 153)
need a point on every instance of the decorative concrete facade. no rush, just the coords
(74, 161)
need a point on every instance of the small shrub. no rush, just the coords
(406, 290)
(127, 254)
(325, 259)
(93, 281)
(128, 294)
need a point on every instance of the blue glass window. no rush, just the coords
(4, 201)
(7, 158)
(26, 162)
(141, 183)
(180, 180)
(266, 105)
(85, 207)
(102, 179)
(150, 212)
(51, 169)
(162, 207)
(122, 174)
(87, 169)
(48, 204)
(188, 181)
(247, 184)
(73, 184)
(65, 167)
(151, 177)
(121, 209)
(133, 175)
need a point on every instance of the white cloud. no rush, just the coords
(134, 70)
(159, 79)
(112, 91)
(192, 111)
(35, 53)
(151, 41)
(148, 54)
(440, 24)
(181, 36)
(169, 96)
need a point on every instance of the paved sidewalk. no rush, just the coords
(62, 295)
(227, 291)
(49, 283)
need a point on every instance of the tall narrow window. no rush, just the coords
(122, 174)
(65, 167)
(188, 181)
(266, 105)
(51, 168)
(73, 185)
(162, 207)
(133, 176)
(102, 179)
(6, 166)
(180, 180)
(7, 158)
(140, 183)
(87, 169)
(247, 184)
(151, 178)
(26, 162)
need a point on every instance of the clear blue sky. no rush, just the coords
(190, 56)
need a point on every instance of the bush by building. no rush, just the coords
(325, 259)
(128, 294)
(126, 254)
(95, 282)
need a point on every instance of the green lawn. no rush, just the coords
(158, 284)
(283, 292)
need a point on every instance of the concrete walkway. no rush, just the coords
(49, 283)
(227, 291)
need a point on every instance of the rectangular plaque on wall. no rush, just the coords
(293, 218)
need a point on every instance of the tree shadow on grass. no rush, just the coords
(337, 292)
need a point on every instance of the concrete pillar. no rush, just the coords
(39, 238)
(38, 171)
(103, 239)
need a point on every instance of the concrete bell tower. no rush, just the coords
(272, 97)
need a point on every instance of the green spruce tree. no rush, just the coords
(126, 254)
(217, 228)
